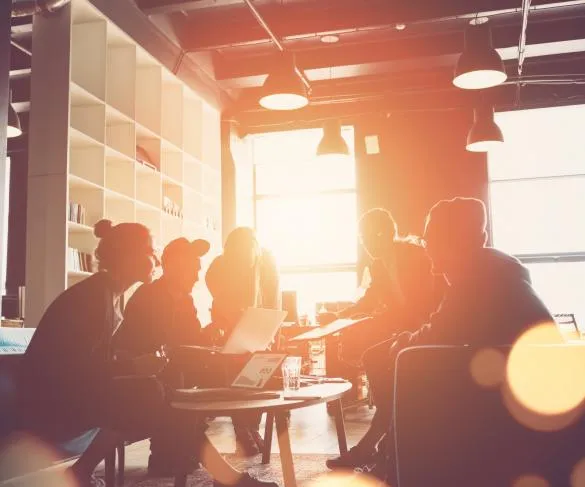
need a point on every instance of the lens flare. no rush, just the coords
(488, 367)
(340, 479)
(578, 474)
(531, 481)
(543, 376)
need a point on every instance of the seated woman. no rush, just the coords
(72, 382)
(244, 276)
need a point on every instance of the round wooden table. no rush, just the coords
(277, 410)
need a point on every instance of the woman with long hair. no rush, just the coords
(244, 276)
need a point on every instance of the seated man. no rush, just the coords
(401, 296)
(402, 291)
(162, 313)
(489, 300)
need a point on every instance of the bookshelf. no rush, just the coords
(116, 135)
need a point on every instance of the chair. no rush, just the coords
(450, 431)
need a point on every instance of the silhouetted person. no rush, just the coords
(71, 382)
(489, 299)
(162, 313)
(244, 276)
(401, 296)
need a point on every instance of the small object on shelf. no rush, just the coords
(76, 213)
(143, 158)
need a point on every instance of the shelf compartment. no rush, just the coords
(90, 197)
(172, 165)
(172, 228)
(87, 163)
(211, 133)
(151, 218)
(81, 97)
(148, 188)
(88, 56)
(211, 185)
(120, 175)
(192, 126)
(148, 147)
(172, 199)
(89, 120)
(121, 137)
(193, 208)
(121, 78)
(193, 175)
(148, 97)
(172, 113)
(119, 209)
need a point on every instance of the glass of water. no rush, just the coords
(291, 374)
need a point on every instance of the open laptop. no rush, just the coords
(254, 331)
(249, 383)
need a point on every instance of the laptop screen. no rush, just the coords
(258, 370)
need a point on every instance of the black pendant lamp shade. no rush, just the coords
(479, 66)
(332, 143)
(284, 89)
(485, 133)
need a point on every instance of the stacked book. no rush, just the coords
(76, 213)
(79, 261)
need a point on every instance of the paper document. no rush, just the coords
(323, 331)
(255, 330)
(259, 369)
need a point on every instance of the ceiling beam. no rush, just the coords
(402, 53)
(221, 28)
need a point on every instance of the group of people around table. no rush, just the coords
(91, 365)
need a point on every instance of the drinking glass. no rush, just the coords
(291, 374)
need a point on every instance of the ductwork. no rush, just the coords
(24, 8)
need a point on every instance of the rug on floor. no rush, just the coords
(307, 467)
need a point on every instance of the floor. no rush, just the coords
(312, 431)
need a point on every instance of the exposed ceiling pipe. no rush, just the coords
(24, 8)
(273, 37)
(522, 40)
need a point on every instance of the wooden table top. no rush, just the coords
(308, 396)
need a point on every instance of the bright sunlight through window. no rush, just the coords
(305, 213)
(537, 195)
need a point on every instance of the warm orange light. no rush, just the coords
(544, 377)
(488, 367)
(531, 481)
(339, 479)
(578, 474)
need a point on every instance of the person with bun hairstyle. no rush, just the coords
(71, 380)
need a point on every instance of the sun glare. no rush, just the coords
(545, 387)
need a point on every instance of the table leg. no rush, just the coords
(337, 410)
(286, 458)
(268, 438)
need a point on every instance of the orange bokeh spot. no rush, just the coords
(578, 474)
(531, 481)
(544, 375)
(488, 367)
(340, 479)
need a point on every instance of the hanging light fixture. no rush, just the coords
(284, 89)
(14, 129)
(485, 133)
(332, 143)
(479, 66)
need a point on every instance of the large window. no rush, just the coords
(305, 213)
(537, 193)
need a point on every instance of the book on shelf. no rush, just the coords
(76, 213)
(78, 261)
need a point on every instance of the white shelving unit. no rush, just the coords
(101, 102)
